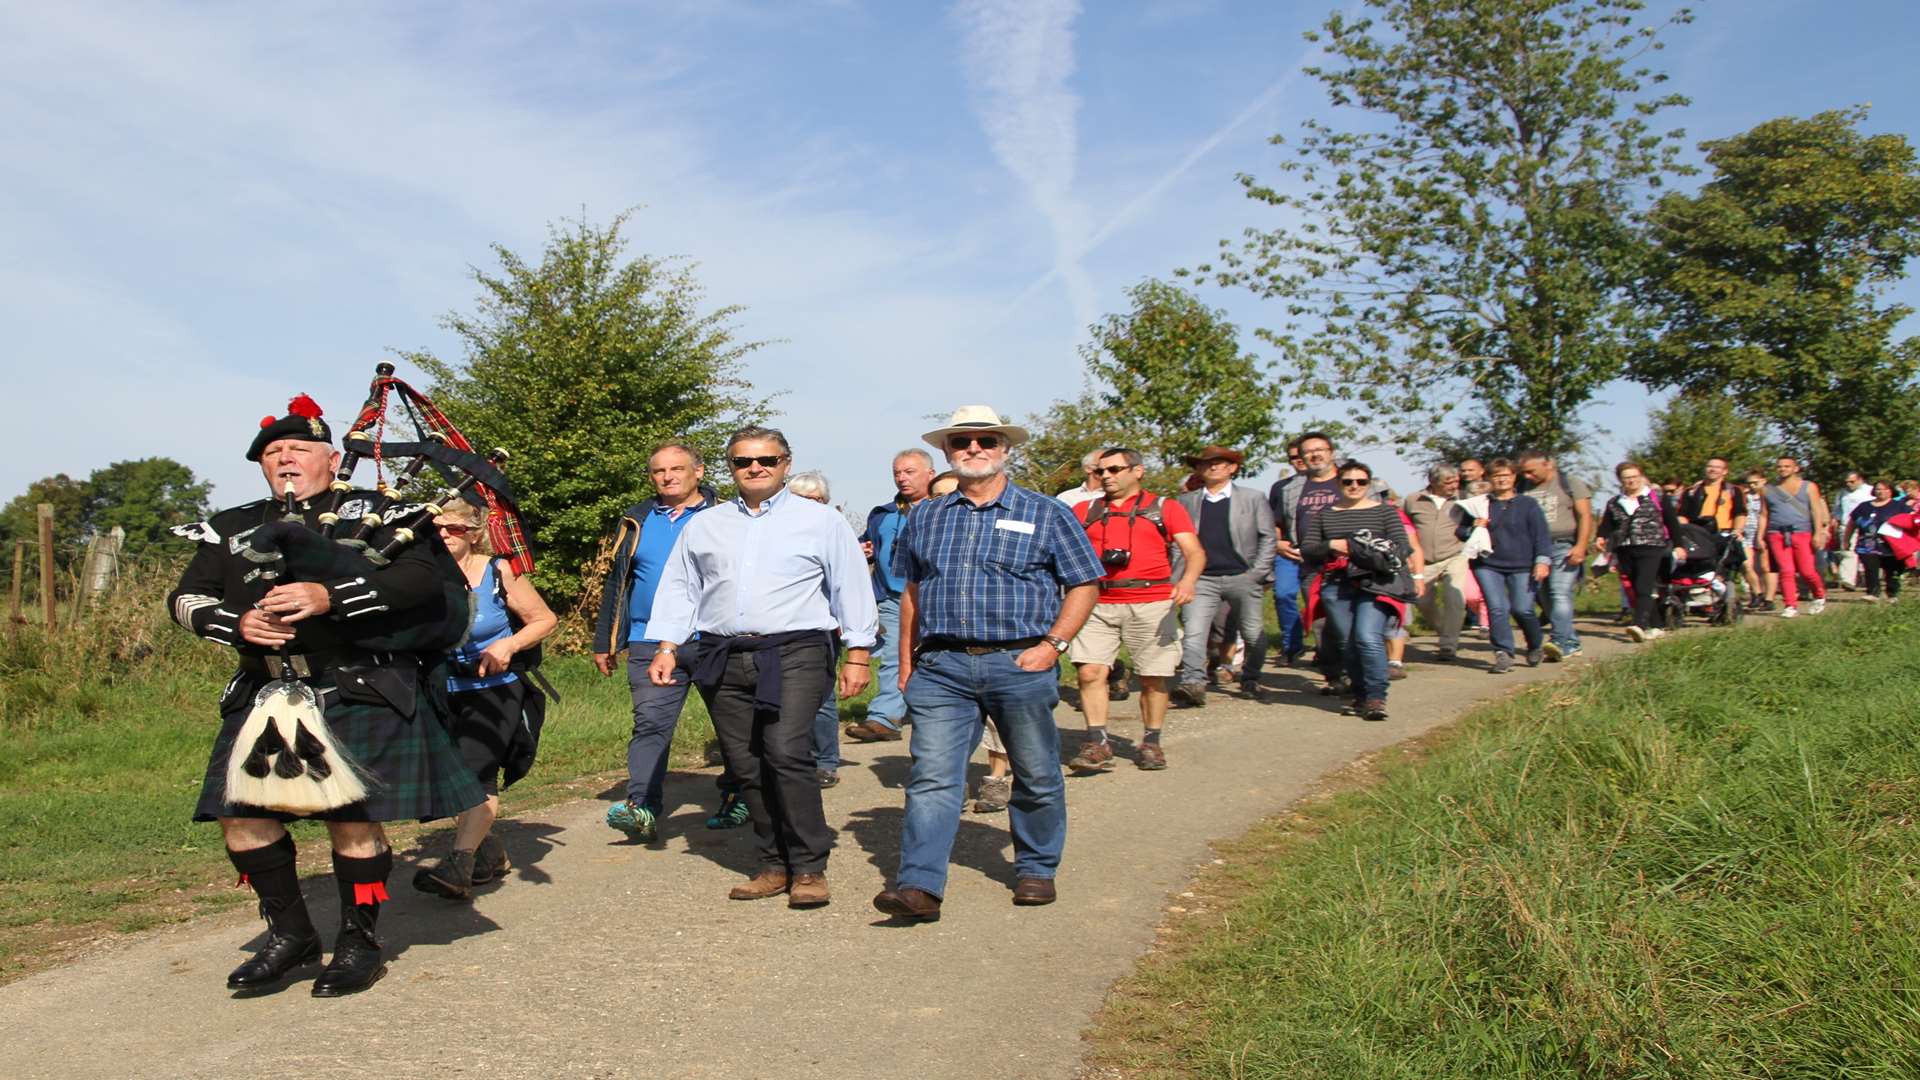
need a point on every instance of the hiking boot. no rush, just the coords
(1550, 652)
(731, 815)
(1396, 671)
(451, 877)
(871, 731)
(1188, 695)
(768, 882)
(993, 794)
(1149, 757)
(490, 862)
(1093, 757)
(1535, 656)
(1502, 663)
(634, 820)
(1373, 709)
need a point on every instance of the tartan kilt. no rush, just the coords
(411, 768)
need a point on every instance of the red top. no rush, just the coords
(1149, 548)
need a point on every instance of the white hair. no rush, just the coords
(914, 451)
(811, 484)
(1092, 459)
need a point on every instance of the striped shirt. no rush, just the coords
(994, 572)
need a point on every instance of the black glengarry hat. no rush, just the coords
(301, 422)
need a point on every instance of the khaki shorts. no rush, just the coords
(1150, 631)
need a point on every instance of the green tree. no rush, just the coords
(1694, 427)
(20, 519)
(1769, 285)
(1166, 378)
(146, 497)
(1459, 258)
(580, 365)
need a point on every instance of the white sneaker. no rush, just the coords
(1655, 632)
(1790, 613)
(1817, 606)
(1635, 633)
(1871, 599)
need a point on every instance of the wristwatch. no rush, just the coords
(1059, 644)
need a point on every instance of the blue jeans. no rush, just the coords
(826, 732)
(888, 706)
(1286, 604)
(1358, 622)
(1510, 595)
(951, 693)
(1562, 583)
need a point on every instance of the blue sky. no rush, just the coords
(207, 208)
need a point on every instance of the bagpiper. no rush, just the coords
(334, 713)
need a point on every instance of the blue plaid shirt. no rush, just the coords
(993, 572)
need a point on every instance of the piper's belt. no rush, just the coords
(978, 648)
(311, 665)
(1132, 583)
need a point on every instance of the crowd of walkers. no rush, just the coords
(958, 602)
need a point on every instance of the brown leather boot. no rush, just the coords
(808, 891)
(768, 882)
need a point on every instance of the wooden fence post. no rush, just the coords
(46, 568)
(13, 588)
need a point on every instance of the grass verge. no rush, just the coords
(1696, 861)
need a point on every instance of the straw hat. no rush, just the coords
(972, 419)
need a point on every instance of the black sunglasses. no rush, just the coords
(1361, 482)
(984, 442)
(766, 461)
(1112, 470)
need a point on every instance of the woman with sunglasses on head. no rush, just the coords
(1362, 550)
(488, 699)
(1510, 574)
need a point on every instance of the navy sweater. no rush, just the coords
(1519, 530)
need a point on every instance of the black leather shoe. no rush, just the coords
(283, 955)
(908, 904)
(357, 964)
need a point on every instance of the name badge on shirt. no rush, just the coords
(1015, 526)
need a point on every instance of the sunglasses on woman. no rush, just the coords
(765, 461)
(984, 442)
(1358, 482)
(455, 530)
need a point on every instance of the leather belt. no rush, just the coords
(310, 665)
(978, 648)
(1132, 583)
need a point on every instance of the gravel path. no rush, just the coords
(601, 959)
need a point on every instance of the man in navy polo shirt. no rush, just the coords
(912, 477)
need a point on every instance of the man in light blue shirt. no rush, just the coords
(768, 581)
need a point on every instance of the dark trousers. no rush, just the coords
(1642, 566)
(1880, 568)
(656, 712)
(771, 754)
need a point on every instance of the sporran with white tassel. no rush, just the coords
(286, 758)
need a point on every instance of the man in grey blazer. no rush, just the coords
(1235, 526)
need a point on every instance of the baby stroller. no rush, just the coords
(1702, 586)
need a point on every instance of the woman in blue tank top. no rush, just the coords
(488, 700)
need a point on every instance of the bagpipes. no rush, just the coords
(285, 757)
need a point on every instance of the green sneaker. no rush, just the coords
(635, 821)
(731, 815)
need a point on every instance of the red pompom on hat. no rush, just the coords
(302, 422)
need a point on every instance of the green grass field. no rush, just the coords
(1696, 861)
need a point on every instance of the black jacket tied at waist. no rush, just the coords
(711, 665)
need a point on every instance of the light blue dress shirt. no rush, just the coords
(795, 565)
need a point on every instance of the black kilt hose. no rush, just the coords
(409, 763)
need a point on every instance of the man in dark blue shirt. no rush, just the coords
(998, 580)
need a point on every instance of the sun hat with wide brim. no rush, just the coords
(1217, 453)
(973, 419)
